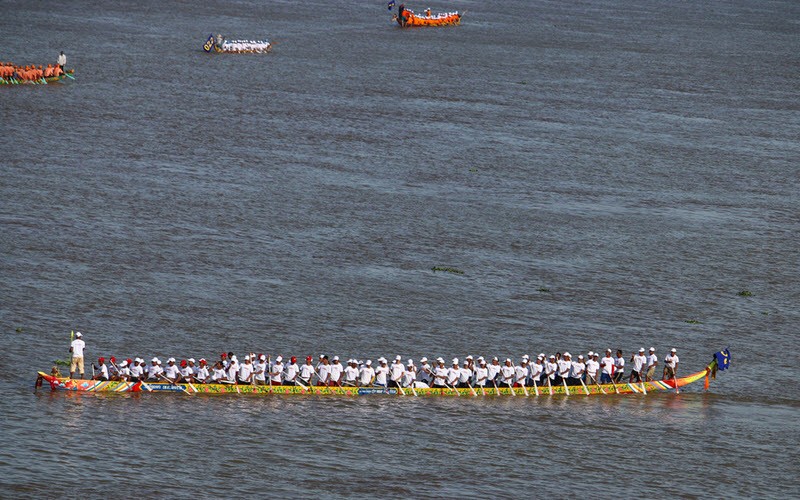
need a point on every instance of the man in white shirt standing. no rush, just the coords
(507, 373)
(440, 374)
(453, 373)
(324, 371)
(619, 366)
(465, 375)
(671, 365)
(76, 347)
(639, 361)
(564, 368)
(493, 371)
(410, 374)
(652, 361)
(481, 374)
(592, 367)
(577, 371)
(607, 368)
(246, 372)
(62, 61)
(425, 372)
(396, 372)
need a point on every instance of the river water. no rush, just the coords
(605, 174)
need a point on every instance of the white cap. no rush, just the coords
(154, 360)
(566, 354)
(423, 360)
(673, 350)
(552, 356)
(641, 349)
(525, 356)
(124, 363)
(397, 358)
(652, 348)
(541, 354)
(580, 356)
(233, 358)
(480, 358)
(466, 363)
(78, 334)
(455, 361)
(508, 360)
(469, 357)
(191, 360)
(383, 360)
(495, 358)
(280, 358)
(410, 362)
(262, 357)
(482, 361)
(590, 353)
(369, 362)
(540, 357)
(439, 360)
(247, 357)
(171, 360)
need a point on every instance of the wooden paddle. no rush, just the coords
(614, 383)
(549, 385)
(472, 389)
(583, 384)
(566, 389)
(452, 387)
(535, 387)
(598, 385)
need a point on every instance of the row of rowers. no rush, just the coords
(258, 370)
(31, 73)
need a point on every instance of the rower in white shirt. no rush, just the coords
(521, 373)
(396, 372)
(136, 370)
(292, 371)
(619, 366)
(564, 368)
(671, 365)
(652, 361)
(639, 361)
(233, 368)
(306, 372)
(113, 372)
(440, 374)
(187, 375)
(171, 371)
(551, 370)
(276, 372)
(481, 374)
(577, 371)
(507, 372)
(124, 371)
(260, 369)
(592, 367)
(465, 374)
(337, 370)
(493, 371)
(606, 368)
(245, 372)
(453, 373)
(366, 374)
(154, 370)
(351, 373)
(324, 371)
(219, 374)
(410, 374)
(537, 370)
(425, 372)
(381, 373)
(202, 371)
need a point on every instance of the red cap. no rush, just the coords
(101, 360)
(223, 355)
(202, 361)
(130, 361)
(113, 359)
(309, 358)
(183, 362)
(294, 359)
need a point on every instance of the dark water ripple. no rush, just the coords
(636, 159)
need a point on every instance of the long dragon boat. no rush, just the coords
(720, 361)
(407, 18)
(218, 44)
(42, 81)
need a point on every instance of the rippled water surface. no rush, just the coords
(605, 174)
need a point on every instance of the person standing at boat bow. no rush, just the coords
(607, 365)
(619, 366)
(671, 365)
(62, 61)
(76, 347)
(639, 361)
(652, 362)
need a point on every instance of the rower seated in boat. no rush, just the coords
(351, 373)
(202, 374)
(171, 372)
(453, 373)
(577, 371)
(564, 368)
(218, 374)
(521, 372)
(381, 373)
(507, 373)
(101, 370)
(410, 374)
(396, 372)
(366, 374)
(276, 371)
(245, 375)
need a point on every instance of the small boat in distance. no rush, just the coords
(407, 18)
(219, 44)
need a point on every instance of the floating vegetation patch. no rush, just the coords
(745, 293)
(60, 362)
(522, 82)
(544, 290)
(765, 313)
(18, 329)
(473, 169)
(447, 270)
(693, 322)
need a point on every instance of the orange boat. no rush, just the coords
(407, 18)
